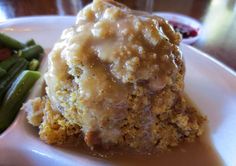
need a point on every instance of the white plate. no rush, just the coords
(210, 85)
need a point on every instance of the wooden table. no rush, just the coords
(217, 16)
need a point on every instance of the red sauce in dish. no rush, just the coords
(186, 30)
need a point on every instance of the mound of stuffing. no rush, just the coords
(116, 78)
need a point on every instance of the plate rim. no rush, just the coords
(212, 59)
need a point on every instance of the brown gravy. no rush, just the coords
(199, 153)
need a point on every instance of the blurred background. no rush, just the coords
(218, 18)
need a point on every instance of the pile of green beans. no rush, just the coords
(18, 74)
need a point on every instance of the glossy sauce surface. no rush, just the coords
(104, 70)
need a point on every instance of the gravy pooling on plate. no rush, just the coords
(200, 152)
(116, 79)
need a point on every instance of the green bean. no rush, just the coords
(6, 64)
(13, 99)
(31, 52)
(34, 64)
(10, 42)
(2, 72)
(30, 42)
(6, 81)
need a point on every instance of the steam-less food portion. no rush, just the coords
(18, 63)
(116, 78)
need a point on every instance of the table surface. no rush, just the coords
(218, 18)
